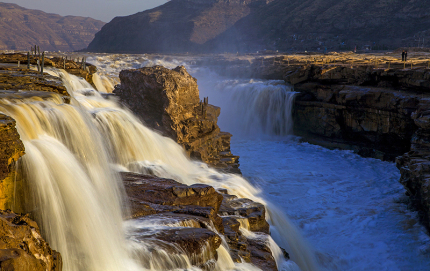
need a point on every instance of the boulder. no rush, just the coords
(168, 101)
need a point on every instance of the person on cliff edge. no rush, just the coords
(403, 55)
(406, 56)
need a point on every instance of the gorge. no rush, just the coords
(342, 213)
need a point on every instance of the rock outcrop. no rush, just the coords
(168, 101)
(22, 28)
(198, 215)
(11, 149)
(22, 247)
(414, 165)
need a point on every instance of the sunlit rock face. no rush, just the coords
(23, 248)
(11, 148)
(168, 101)
(22, 28)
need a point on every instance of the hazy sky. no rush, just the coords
(104, 10)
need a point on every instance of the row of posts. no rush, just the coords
(40, 59)
(83, 62)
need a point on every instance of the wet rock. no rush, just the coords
(152, 195)
(253, 213)
(30, 81)
(11, 149)
(198, 244)
(22, 247)
(169, 192)
(168, 101)
(261, 255)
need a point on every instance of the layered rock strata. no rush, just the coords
(168, 101)
(22, 247)
(199, 215)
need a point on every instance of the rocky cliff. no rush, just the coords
(22, 28)
(252, 25)
(168, 101)
(177, 26)
(337, 25)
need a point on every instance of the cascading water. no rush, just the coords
(72, 152)
(351, 209)
(260, 108)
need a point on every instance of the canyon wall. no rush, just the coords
(378, 112)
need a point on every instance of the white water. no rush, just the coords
(71, 151)
(350, 208)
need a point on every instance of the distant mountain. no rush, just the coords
(21, 28)
(177, 26)
(335, 24)
(251, 25)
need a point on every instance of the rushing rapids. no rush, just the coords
(73, 153)
(351, 209)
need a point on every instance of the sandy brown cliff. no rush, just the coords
(21, 28)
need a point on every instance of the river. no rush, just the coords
(351, 210)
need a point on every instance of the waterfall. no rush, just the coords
(250, 108)
(72, 151)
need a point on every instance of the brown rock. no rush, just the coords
(11, 149)
(198, 244)
(252, 211)
(22, 247)
(152, 195)
(168, 101)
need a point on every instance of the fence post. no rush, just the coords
(43, 62)
(28, 60)
(19, 63)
